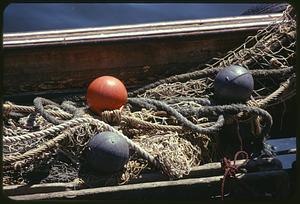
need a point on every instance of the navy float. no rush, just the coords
(233, 84)
(107, 152)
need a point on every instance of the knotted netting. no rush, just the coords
(171, 125)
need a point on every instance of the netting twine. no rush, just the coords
(172, 123)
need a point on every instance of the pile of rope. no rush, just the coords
(170, 125)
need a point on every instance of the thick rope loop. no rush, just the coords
(181, 119)
(61, 125)
(39, 107)
(9, 107)
(232, 109)
(39, 102)
(47, 132)
(51, 143)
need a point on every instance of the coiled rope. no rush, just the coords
(232, 109)
(8, 107)
(53, 142)
(61, 125)
(116, 115)
(181, 119)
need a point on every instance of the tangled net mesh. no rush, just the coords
(159, 139)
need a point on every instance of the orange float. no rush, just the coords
(106, 93)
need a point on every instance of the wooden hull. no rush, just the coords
(203, 182)
(71, 59)
(67, 61)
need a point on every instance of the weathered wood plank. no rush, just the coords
(211, 169)
(33, 64)
(206, 170)
(135, 63)
(191, 189)
(38, 188)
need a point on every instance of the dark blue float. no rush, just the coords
(107, 152)
(233, 83)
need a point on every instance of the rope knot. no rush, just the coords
(112, 117)
(7, 107)
(230, 169)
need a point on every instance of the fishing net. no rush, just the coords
(171, 125)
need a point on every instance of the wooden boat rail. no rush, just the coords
(167, 29)
(136, 54)
(207, 176)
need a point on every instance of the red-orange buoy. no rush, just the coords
(106, 93)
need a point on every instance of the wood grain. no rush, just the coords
(185, 189)
(33, 63)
